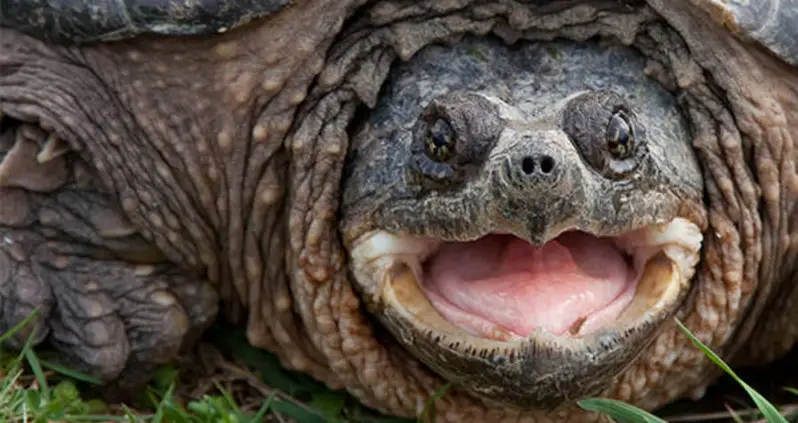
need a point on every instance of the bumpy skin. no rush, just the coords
(225, 152)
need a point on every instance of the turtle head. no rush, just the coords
(524, 235)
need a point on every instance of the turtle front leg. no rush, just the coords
(107, 300)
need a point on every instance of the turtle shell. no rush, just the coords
(76, 21)
(771, 23)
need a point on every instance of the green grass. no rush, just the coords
(34, 389)
(626, 413)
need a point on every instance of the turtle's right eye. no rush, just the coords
(452, 137)
(440, 140)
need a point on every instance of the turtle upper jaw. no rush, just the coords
(530, 326)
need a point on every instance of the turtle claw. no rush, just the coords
(108, 319)
(20, 165)
(53, 147)
(122, 327)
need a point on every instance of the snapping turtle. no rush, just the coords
(517, 198)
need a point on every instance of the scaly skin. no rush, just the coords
(225, 153)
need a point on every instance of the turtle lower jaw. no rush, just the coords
(437, 314)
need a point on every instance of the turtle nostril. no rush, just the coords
(528, 165)
(546, 164)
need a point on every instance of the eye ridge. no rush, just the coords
(440, 140)
(620, 135)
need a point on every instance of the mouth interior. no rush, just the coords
(502, 287)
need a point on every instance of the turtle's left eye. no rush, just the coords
(440, 140)
(620, 136)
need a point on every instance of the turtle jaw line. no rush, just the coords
(662, 256)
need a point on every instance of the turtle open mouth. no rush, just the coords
(502, 288)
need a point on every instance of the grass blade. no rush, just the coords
(769, 411)
(36, 368)
(620, 411)
(129, 414)
(160, 410)
(98, 418)
(231, 403)
(18, 327)
(428, 413)
(9, 383)
(733, 414)
(265, 408)
(66, 371)
(304, 415)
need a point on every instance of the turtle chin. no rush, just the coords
(524, 325)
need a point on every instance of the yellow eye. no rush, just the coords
(439, 143)
(620, 137)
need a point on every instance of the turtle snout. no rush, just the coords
(536, 190)
(538, 166)
(535, 164)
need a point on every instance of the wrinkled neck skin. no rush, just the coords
(227, 152)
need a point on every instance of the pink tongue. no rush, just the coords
(503, 281)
